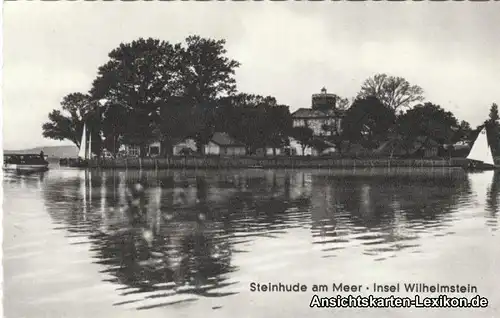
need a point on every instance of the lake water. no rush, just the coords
(71, 250)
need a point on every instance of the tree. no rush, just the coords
(342, 103)
(464, 133)
(255, 120)
(430, 122)
(148, 76)
(277, 126)
(113, 126)
(242, 120)
(304, 135)
(207, 73)
(67, 124)
(335, 133)
(175, 123)
(394, 92)
(333, 127)
(138, 76)
(367, 122)
(493, 127)
(203, 126)
(494, 113)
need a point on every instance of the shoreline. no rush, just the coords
(216, 162)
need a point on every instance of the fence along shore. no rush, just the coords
(220, 162)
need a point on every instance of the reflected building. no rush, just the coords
(195, 222)
(383, 213)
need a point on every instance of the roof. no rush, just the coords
(396, 146)
(313, 113)
(223, 139)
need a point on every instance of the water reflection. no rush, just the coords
(27, 181)
(384, 213)
(492, 198)
(175, 239)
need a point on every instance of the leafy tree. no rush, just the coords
(203, 123)
(175, 123)
(367, 122)
(114, 118)
(493, 127)
(242, 122)
(61, 127)
(277, 125)
(335, 134)
(148, 76)
(67, 124)
(430, 122)
(394, 92)
(342, 103)
(494, 113)
(464, 133)
(255, 120)
(138, 76)
(207, 73)
(334, 129)
(304, 135)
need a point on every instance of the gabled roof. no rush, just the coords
(223, 139)
(396, 146)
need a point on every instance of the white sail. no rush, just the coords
(89, 152)
(481, 150)
(82, 153)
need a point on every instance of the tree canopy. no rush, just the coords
(367, 122)
(394, 92)
(67, 123)
(493, 127)
(304, 135)
(428, 122)
(255, 120)
(154, 90)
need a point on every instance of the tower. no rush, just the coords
(324, 101)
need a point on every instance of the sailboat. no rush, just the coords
(480, 156)
(85, 153)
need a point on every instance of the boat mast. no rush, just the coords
(82, 153)
(89, 154)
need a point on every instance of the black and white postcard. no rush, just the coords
(250, 159)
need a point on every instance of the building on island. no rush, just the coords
(153, 150)
(224, 145)
(184, 147)
(269, 151)
(220, 144)
(324, 118)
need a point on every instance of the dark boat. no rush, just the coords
(25, 163)
(78, 163)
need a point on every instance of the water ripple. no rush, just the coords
(198, 230)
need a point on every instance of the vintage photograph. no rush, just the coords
(250, 159)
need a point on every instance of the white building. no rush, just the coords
(323, 117)
(153, 150)
(222, 144)
(184, 147)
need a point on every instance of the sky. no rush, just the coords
(289, 50)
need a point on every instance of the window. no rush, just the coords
(153, 151)
(134, 151)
